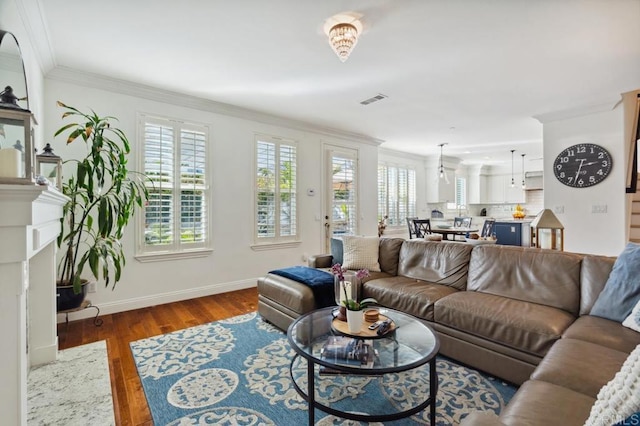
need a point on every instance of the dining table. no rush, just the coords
(453, 231)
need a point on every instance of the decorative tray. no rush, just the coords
(341, 327)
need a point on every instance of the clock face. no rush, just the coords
(582, 165)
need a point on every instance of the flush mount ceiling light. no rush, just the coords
(343, 31)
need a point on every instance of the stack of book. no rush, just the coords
(344, 350)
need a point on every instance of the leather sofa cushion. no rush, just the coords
(407, 295)
(289, 293)
(549, 278)
(389, 253)
(583, 367)
(594, 273)
(543, 404)
(445, 263)
(526, 326)
(603, 332)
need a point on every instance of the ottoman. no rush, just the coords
(281, 300)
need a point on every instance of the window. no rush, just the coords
(396, 193)
(461, 195)
(276, 203)
(176, 217)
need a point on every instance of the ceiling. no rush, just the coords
(469, 73)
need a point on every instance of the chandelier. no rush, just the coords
(343, 31)
(342, 38)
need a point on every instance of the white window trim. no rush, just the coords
(277, 242)
(174, 251)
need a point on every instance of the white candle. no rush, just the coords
(10, 163)
(545, 238)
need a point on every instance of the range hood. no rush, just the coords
(533, 180)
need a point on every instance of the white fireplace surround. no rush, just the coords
(29, 224)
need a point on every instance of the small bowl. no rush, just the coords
(371, 315)
(443, 226)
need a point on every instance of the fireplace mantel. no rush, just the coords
(29, 224)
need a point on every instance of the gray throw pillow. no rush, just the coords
(622, 290)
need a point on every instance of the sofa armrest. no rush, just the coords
(320, 261)
(481, 418)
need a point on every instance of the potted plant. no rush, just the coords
(353, 307)
(103, 196)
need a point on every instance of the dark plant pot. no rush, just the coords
(66, 299)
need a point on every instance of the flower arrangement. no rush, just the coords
(349, 303)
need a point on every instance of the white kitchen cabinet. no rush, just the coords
(477, 187)
(495, 189)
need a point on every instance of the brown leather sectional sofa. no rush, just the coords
(518, 313)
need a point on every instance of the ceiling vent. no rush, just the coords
(376, 98)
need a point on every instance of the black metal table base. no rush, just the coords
(309, 396)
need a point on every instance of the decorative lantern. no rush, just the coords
(547, 232)
(16, 146)
(49, 165)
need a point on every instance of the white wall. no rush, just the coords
(587, 232)
(233, 264)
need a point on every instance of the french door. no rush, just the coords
(341, 187)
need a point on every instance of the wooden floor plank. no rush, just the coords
(130, 404)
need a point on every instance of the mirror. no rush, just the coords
(12, 74)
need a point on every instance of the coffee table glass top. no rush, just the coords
(411, 344)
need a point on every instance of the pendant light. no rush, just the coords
(513, 182)
(441, 168)
(523, 184)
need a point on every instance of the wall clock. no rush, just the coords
(582, 165)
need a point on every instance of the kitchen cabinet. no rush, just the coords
(512, 232)
(495, 189)
(499, 190)
(477, 188)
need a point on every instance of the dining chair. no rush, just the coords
(422, 227)
(487, 228)
(411, 226)
(462, 222)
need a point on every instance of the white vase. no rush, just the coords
(354, 321)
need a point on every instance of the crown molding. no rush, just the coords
(401, 154)
(69, 75)
(577, 112)
(37, 32)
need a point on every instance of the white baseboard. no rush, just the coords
(43, 354)
(159, 299)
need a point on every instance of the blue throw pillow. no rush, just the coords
(336, 251)
(622, 290)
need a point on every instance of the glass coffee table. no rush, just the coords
(329, 348)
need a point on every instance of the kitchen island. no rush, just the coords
(513, 232)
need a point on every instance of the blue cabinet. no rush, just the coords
(512, 233)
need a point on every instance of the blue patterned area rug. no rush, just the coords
(236, 372)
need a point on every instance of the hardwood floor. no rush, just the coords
(130, 405)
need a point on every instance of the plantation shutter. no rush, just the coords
(175, 163)
(276, 190)
(396, 193)
(159, 166)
